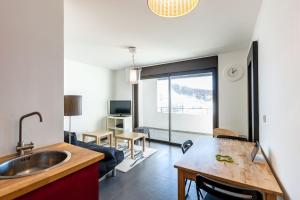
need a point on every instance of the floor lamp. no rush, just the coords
(72, 107)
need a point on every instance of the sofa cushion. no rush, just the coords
(106, 166)
(73, 137)
(109, 152)
(119, 155)
(112, 156)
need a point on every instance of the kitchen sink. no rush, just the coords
(32, 163)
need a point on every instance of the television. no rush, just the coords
(120, 108)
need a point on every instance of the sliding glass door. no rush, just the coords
(177, 108)
(191, 107)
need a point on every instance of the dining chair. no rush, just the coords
(144, 130)
(232, 137)
(186, 145)
(184, 148)
(222, 131)
(219, 191)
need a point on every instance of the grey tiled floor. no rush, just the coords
(153, 179)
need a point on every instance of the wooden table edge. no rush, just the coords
(187, 171)
(98, 135)
(131, 141)
(127, 138)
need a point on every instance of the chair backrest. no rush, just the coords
(186, 145)
(222, 131)
(226, 192)
(142, 130)
(232, 137)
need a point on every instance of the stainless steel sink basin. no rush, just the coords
(32, 163)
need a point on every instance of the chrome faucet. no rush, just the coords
(21, 147)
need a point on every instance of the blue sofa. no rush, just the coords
(112, 156)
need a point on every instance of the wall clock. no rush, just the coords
(233, 73)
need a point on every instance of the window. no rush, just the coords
(190, 94)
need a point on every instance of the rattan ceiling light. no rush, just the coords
(172, 8)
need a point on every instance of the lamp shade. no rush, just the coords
(172, 8)
(134, 75)
(72, 105)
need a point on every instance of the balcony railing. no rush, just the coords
(184, 110)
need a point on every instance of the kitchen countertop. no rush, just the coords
(80, 158)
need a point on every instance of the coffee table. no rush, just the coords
(130, 137)
(98, 135)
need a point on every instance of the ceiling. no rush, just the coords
(98, 32)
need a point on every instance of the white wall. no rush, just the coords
(278, 34)
(122, 87)
(31, 71)
(233, 110)
(95, 84)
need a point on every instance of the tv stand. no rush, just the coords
(121, 115)
(119, 124)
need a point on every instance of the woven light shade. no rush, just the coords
(172, 8)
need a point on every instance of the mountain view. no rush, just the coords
(189, 95)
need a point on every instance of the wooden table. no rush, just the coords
(200, 159)
(98, 135)
(131, 137)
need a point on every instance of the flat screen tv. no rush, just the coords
(120, 108)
